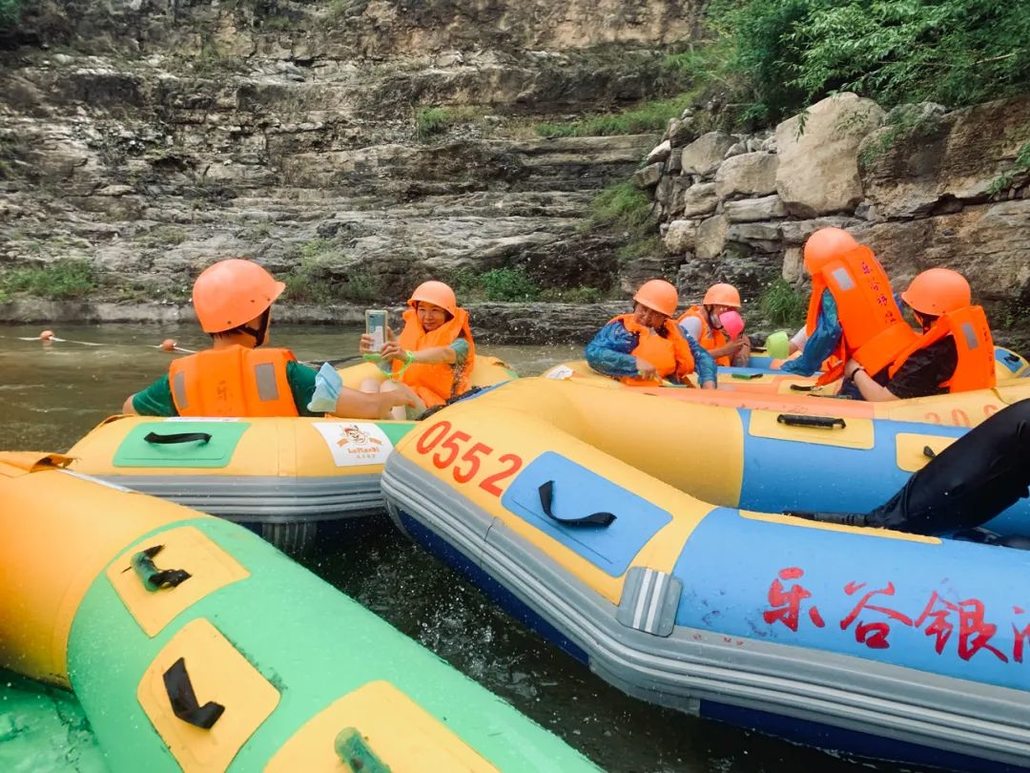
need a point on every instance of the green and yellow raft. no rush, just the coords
(192, 644)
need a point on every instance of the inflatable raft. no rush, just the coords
(962, 409)
(283, 477)
(192, 644)
(873, 642)
(1007, 363)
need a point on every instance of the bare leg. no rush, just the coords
(370, 385)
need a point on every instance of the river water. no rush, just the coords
(52, 394)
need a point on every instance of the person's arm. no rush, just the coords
(865, 384)
(821, 344)
(609, 351)
(352, 404)
(704, 364)
(432, 356)
(155, 400)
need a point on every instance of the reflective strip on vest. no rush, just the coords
(843, 279)
(179, 390)
(969, 333)
(264, 375)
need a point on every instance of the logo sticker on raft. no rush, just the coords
(791, 604)
(354, 444)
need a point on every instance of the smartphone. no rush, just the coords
(375, 326)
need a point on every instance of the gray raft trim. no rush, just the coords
(961, 716)
(265, 499)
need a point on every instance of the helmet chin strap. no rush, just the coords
(258, 333)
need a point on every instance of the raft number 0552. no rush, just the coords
(464, 466)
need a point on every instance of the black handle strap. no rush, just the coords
(184, 700)
(1011, 357)
(178, 437)
(152, 577)
(546, 491)
(929, 453)
(820, 422)
(802, 387)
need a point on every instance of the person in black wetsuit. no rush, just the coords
(970, 482)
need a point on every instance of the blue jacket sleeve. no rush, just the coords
(821, 343)
(704, 363)
(609, 351)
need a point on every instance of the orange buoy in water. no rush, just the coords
(168, 345)
(46, 335)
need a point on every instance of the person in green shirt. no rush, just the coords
(238, 375)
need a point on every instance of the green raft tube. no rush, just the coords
(191, 644)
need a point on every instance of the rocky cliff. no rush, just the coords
(357, 147)
(922, 186)
(353, 146)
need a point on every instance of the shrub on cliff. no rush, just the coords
(10, 10)
(956, 52)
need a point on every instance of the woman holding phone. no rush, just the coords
(433, 354)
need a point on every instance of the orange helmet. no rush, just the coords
(722, 294)
(824, 245)
(938, 291)
(658, 295)
(231, 293)
(437, 293)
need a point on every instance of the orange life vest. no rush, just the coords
(670, 354)
(968, 326)
(874, 330)
(435, 384)
(710, 338)
(234, 381)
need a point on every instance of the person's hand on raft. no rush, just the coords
(645, 369)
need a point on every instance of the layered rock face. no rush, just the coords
(152, 137)
(922, 186)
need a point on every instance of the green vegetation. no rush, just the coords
(793, 52)
(574, 295)
(435, 121)
(646, 117)
(497, 284)
(164, 236)
(783, 304)
(623, 205)
(1021, 167)
(10, 11)
(320, 277)
(60, 280)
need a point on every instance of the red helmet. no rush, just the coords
(231, 293)
(658, 295)
(437, 293)
(938, 291)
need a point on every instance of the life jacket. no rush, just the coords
(874, 330)
(710, 338)
(435, 384)
(670, 354)
(234, 381)
(968, 326)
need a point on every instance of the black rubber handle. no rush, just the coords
(184, 700)
(802, 387)
(178, 437)
(820, 422)
(929, 453)
(152, 577)
(746, 376)
(1011, 357)
(546, 491)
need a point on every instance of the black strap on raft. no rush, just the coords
(178, 437)
(802, 387)
(746, 376)
(1011, 357)
(928, 452)
(594, 519)
(471, 392)
(844, 519)
(819, 422)
(152, 577)
(184, 700)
